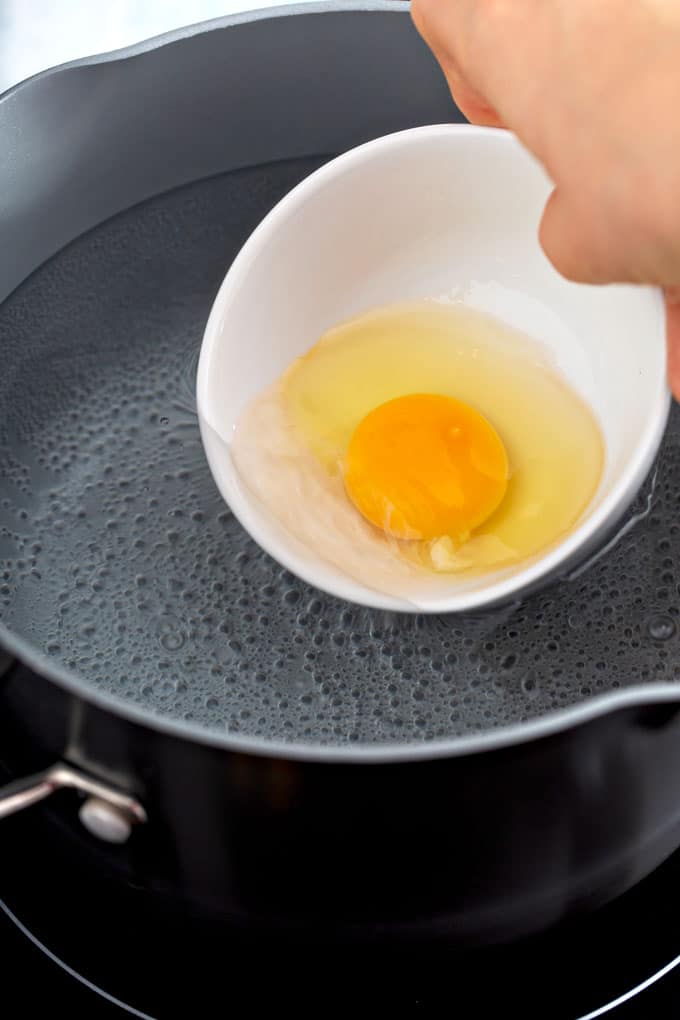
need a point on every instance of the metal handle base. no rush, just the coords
(123, 811)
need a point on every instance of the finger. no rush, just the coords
(673, 339)
(577, 248)
(426, 16)
(470, 103)
(434, 23)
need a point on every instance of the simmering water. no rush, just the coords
(119, 559)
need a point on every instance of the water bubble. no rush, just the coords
(172, 642)
(661, 628)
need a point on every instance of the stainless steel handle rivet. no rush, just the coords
(106, 822)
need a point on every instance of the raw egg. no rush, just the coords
(424, 465)
(422, 441)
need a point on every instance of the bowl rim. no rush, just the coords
(502, 590)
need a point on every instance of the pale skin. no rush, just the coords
(592, 88)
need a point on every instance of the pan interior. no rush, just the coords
(120, 561)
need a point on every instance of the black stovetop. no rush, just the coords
(169, 968)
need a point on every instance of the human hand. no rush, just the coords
(592, 88)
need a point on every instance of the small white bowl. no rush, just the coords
(449, 210)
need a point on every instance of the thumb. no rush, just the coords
(571, 243)
(673, 336)
(578, 253)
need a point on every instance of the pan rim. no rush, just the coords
(211, 25)
(501, 738)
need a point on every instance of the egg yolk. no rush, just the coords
(424, 466)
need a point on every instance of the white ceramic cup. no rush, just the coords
(447, 210)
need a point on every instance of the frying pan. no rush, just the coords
(219, 734)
